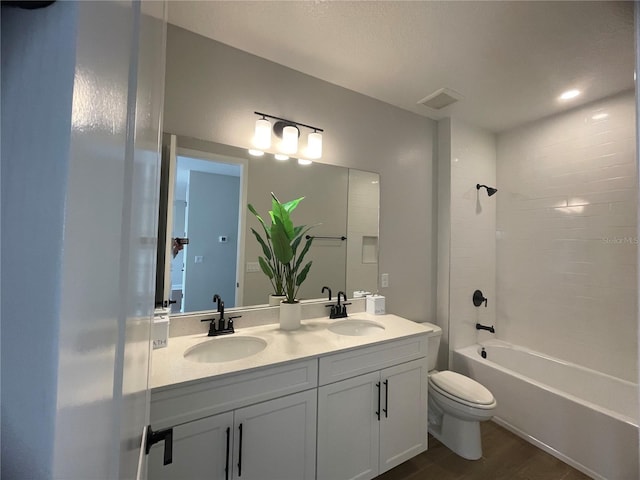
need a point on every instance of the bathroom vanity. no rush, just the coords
(351, 394)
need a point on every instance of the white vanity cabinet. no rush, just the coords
(276, 440)
(201, 449)
(273, 439)
(375, 418)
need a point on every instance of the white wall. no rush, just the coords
(468, 157)
(212, 92)
(567, 244)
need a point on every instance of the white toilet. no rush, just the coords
(457, 405)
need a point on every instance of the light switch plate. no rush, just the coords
(384, 280)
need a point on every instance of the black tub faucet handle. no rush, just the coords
(479, 298)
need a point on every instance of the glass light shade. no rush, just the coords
(262, 134)
(281, 157)
(256, 153)
(314, 145)
(289, 140)
(304, 161)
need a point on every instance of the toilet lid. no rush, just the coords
(462, 387)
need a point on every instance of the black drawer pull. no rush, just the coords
(386, 398)
(226, 458)
(240, 453)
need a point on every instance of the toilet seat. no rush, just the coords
(461, 389)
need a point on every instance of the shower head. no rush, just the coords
(490, 190)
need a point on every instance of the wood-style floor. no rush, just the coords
(505, 457)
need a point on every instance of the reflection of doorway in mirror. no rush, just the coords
(208, 194)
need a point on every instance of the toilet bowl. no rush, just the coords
(456, 406)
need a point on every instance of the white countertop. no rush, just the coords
(312, 339)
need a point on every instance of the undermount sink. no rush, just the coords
(356, 327)
(225, 349)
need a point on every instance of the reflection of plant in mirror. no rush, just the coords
(282, 261)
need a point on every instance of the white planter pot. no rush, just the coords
(290, 315)
(274, 300)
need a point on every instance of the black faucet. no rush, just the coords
(218, 300)
(339, 310)
(483, 327)
(222, 329)
(327, 288)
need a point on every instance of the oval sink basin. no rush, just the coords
(225, 349)
(355, 327)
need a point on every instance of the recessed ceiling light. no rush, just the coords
(281, 157)
(256, 153)
(569, 94)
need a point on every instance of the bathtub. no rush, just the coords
(585, 418)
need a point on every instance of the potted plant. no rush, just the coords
(269, 264)
(284, 257)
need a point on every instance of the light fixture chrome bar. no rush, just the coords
(291, 122)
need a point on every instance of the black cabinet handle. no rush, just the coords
(240, 453)
(386, 398)
(226, 458)
(157, 437)
(378, 411)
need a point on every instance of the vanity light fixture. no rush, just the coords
(289, 132)
(281, 157)
(304, 161)
(256, 153)
(262, 134)
(289, 143)
(314, 145)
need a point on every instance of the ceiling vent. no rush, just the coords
(440, 99)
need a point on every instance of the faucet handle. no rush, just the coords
(212, 325)
(230, 323)
(335, 310)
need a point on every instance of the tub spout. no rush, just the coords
(484, 327)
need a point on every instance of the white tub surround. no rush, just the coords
(586, 418)
(312, 404)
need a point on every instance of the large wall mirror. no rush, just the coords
(206, 245)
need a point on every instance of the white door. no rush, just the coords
(276, 440)
(348, 428)
(403, 426)
(201, 450)
(140, 220)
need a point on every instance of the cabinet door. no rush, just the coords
(200, 451)
(348, 429)
(403, 428)
(276, 440)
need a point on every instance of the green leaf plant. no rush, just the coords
(283, 259)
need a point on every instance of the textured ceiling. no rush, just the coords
(510, 60)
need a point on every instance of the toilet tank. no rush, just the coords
(433, 344)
